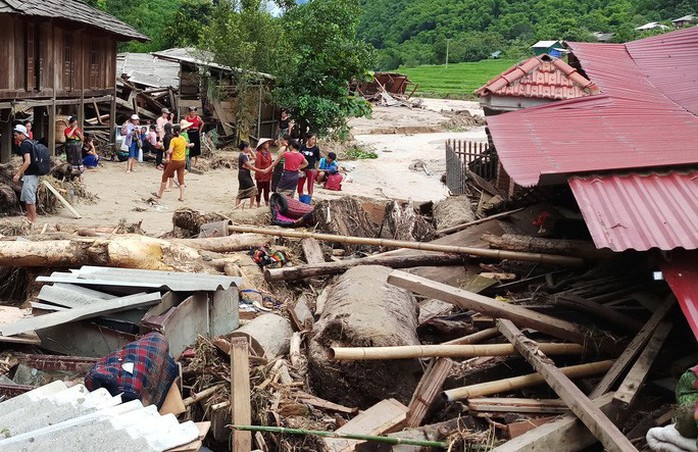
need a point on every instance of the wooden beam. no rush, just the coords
(517, 405)
(241, 409)
(86, 312)
(604, 312)
(489, 306)
(595, 420)
(312, 251)
(60, 198)
(516, 429)
(427, 390)
(638, 373)
(632, 350)
(384, 417)
(567, 434)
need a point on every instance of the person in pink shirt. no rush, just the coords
(161, 121)
(294, 163)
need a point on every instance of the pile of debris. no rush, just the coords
(367, 330)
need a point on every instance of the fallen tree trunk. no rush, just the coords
(237, 242)
(528, 244)
(364, 310)
(335, 268)
(128, 251)
(480, 252)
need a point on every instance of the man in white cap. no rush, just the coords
(131, 133)
(26, 173)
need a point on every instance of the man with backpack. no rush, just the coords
(27, 172)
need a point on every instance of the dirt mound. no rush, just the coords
(461, 119)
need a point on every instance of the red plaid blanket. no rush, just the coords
(141, 370)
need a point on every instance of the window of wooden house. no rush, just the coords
(33, 58)
(68, 61)
(94, 65)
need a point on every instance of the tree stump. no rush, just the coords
(363, 310)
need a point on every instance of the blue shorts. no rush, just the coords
(133, 151)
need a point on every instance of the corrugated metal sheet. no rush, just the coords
(143, 279)
(633, 124)
(199, 58)
(74, 11)
(146, 69)
(541, 77)
(640, 211)
(681, 272)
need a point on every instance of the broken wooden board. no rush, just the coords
(301, 315)
(632, 350)
(567, 434)
(595, 420)
(628, 390)
(428, 388)
(10, 315)
(75, 314)
(489, 306)
(241, 409)
(312, 251)
(384, 417)
(173, 402)
(604, 312)
(324, 404)
(517, 405)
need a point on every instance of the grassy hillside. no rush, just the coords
(459, 79)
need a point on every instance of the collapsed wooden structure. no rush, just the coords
(61, 61)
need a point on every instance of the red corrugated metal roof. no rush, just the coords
(640, 211)
(681, 272)
(633, 124)
(541, 77)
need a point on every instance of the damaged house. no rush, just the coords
(62, 61)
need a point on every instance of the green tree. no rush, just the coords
(189, 20)
(324, 55)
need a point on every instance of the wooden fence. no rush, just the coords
(464, 156)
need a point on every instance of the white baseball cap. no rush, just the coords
(134, 117)
(21, 129)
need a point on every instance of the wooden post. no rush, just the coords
(595, 420)
(427, 390)
(52, 125)
(489, 306)
(632, 350)
(81, 110)
(241, 409)
(5, 136)
(638, 373)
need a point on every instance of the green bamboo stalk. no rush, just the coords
(378, 439)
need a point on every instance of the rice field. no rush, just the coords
(458, 80)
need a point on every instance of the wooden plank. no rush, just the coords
(488, 306)
(632, 350)
(638, 373)
(85, 312)
(61, 199)
(517, 405)
(516, 429)
(312, 251)
(241, 409)
(324, 404)
(427, 390)
(301, 315)
(567, 434)
(384, 417)
(595, 420)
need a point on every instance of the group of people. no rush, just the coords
(297, 166)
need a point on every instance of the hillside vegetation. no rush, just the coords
(415, 32)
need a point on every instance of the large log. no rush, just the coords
(236, 242)
(528, 244)
(472, 251)
(128, 251)
(335, 268)
(363, 310)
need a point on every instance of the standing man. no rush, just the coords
(26, 173)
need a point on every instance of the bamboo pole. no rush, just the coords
(202, 395)
(334, 268)
(444, 351)
(472, 251)
(325, 434)
(524, 381)
(482, 335)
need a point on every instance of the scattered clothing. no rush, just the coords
(288, 212)
(142, 370)
(264, 256)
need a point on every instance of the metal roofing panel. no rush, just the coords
(541, 77)
(681, 272)
(146, 279)
(199, 58)
(74, 11)
(640, 211)
(146, 69)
